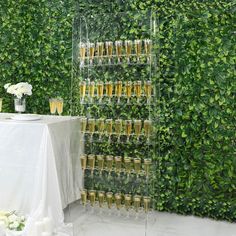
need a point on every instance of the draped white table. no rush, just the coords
(40, 172)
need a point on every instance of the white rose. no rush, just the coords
(15, 225)
(12, 218)
(7, 85)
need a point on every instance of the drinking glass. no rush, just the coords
(128, 200)
(91, 88)
(147, 165)
(109, 90)
(128, 49)
(138, 48)
(53, 105)
(100, 163)
(82, 87)
(147, 129)
(59, 105)
(84, 193)
(0, 104)
(109, 163)
(91, 127)
(83, 124)
(148, 48)
(128, 90)
(101, 198)
(137, 128)
(109, 196)
(137, 165)
(91, 51)
(101, 127)
(109, 128)
(118, 45)
(118, 164)
(100, 51)
(146, 203)
(128, 167)
(148, 90)
(118, 128)
(91, 163)
(82, 50)
(92, 197)
(118, 90)
(83, 160)
(137, 202)
(118, 198)
(109, 50)
(100, 91)
(128, 129)
(138, 89)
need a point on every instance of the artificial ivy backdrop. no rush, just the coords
(196, 171)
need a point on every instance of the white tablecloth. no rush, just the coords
(40, 172)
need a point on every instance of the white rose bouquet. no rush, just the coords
(11, 221)
(19, 90)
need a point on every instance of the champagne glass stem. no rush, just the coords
(128, 101)
(118, 101)
(91, 61)
(109, 61)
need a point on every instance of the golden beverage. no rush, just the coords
(109, 89)
(118, 164)
(100, 162)
(100, 51)
(128, 49)
(59, 105)
(128, 127)
(146, 204)
(118, 89)
(128, 166)
(118, 45)
(82, 50)
(137, 165)
(138, 89)
(83, 124)
(137, 202)
(138, 47)
(82, 87)
(91, 161)
(91, 88)
(109, 162)
(147, 165)
(84, 196)
(109, 50)
(128, 199)
(109, 126)
(147, 128)
(128, 90)
(137, 127)
(118, 200)
(100, 90)
(53, 105)
(148, 89)
(118, 127)
(101, 125)
(92, 197)
(83, 160)
(0, 104)
(91, 51)
(101, 198)
(109, 196)
(147, 46)
(91, 125)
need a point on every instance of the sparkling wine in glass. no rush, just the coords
(118, 90)
(128, 49)
(83, 160)
(59, 105)
(100, 88)
(147, 129)
(84, 193)
(91, 163)
(53, 105)
(109, 163)
(91, 127)
(146, 203)
(1, 104)
(128, 90)
(109, 90)
(82, 51)
(109, 196)
(83, 124)
(148, 90)
(128, 166)
(101, 198)
(109, 50)
(137, 165)
(137, 128)
(147, 165)
(91, 52)
(128, 129)
(109, 130)
(100, 163)
(138, 48)
(137, 202)
(92, 197)
(91, 88)
(118, 164)
(100, 51)
(128, 200)
(101, 127)
(82, 87)
(118, 45)
(148, 48)
(118, 199)
(138, 89)
(118, 128)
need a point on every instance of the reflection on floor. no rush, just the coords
(93, 222)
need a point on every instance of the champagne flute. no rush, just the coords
(59, 105)
(118, 164)
(91, 127)
(147, 165)
(91, 163)
(100, 91)
(137, 202)
(83, 124)
(118, 201)
(91, 88)
(100, 49)
(118, 128)
(118, 90)
(146, 203)
(53, 106)
(137, 128)
(138, 48)
(128, 200)
(100, 161)
(109, 49)
(109, 128)
(147, 129)
(91, 51)
(84, 193)
(128, 129)
(1, 104)
(109, 196)
(92, 197)
(128, 49)
(148, 48)
(109, 163)
(128, 90)
(82, 87)
(109, 90)
(138, 89)
(101, 127)
(128, 167)
(148, 90)
(137, 165)
(83, 160)
(101, 198)
(118, 45)
(82, 50)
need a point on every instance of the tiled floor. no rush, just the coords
(108, 223)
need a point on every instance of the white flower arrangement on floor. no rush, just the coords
(19, 90)
(11, 221)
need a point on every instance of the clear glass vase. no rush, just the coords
(20, 105)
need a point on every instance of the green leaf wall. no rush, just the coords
(196, 171)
